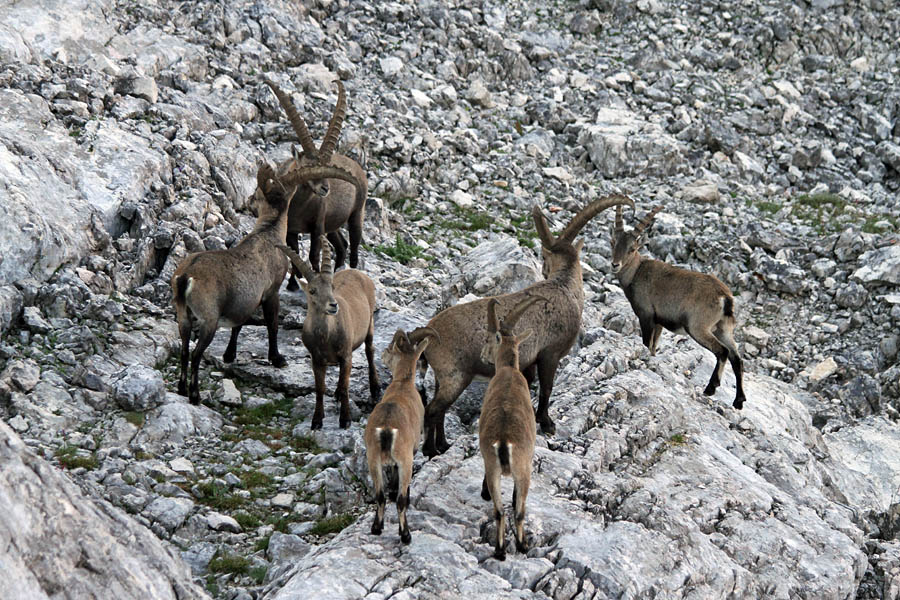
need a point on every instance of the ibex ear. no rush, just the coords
(420, 347)
(305, 285)
(295, 153)
(579, 245)
(640, 241)
(524, 335)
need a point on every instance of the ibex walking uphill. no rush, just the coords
(506, 430)
(395, 426)
(680, 300)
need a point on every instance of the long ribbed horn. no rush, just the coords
(327, 263)
(540, 224)
(510, 320)
(301, 265)
(620, 226)
(493, 321)
(420, 333)
(645, 222)
(334, 126)
(589, 212)
(303, 174)
(294, 117)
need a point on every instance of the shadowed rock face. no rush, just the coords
(57, 542)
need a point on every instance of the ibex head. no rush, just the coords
(310, 155)
(410, 344)
(319, 287)
(501, 332)
(626, 244)
(560, 251)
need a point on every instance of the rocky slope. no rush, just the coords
(130, 134)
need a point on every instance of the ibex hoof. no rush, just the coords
(278, 361)
(548, 427)
(406, 537)
(377, 528)
(500, 554)
(738, 403)
(182, 389)
(709, 391)
(316, 424)
(429, 450)
(344, 423)
(521, 547)
(292, 285)
(229, 357)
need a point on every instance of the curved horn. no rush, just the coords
(327, 265)
(334, 126)
(510, 320)
(646, 221)
(300, 264)
(303, 174)
(589, 212)
(620, 227)
(493, 321)
(420, 333)
(398, 335)
(294, 117)
(540, 224)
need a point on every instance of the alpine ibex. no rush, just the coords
(339, 317)
(323, 206)
(395, 425)
(680, 300)
(506, 430)
(223, 288)
(463, 329)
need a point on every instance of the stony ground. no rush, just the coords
(130, 135)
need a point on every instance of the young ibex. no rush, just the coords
(325, 205)
(680, 300)
(506, 430)
(223, 288)
(463, 329)
(395, 425)
(339, 317)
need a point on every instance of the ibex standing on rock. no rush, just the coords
(323, 206)
(463, 329)
(395, 425)
(680, 300)
(339, 317)
(223, 288)
(506, 430)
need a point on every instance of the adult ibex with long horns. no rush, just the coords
(463, 329)
(323, 206)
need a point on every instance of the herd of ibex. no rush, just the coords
(510, 338)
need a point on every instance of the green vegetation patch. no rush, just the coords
(229, 563)
(135, 418)
(247, 520)
(306, 443)
(402, 252)
(332, 524)
(217, 496)
(69, 458)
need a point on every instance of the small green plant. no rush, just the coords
(247, 520)
(258, 574)
(216, 496)
(400, 251)
(305, 443)
(332, 524)
(262, 543)
(677, 439)
(768, 207)
(211, 586)
(68, 457)
(229, 563)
